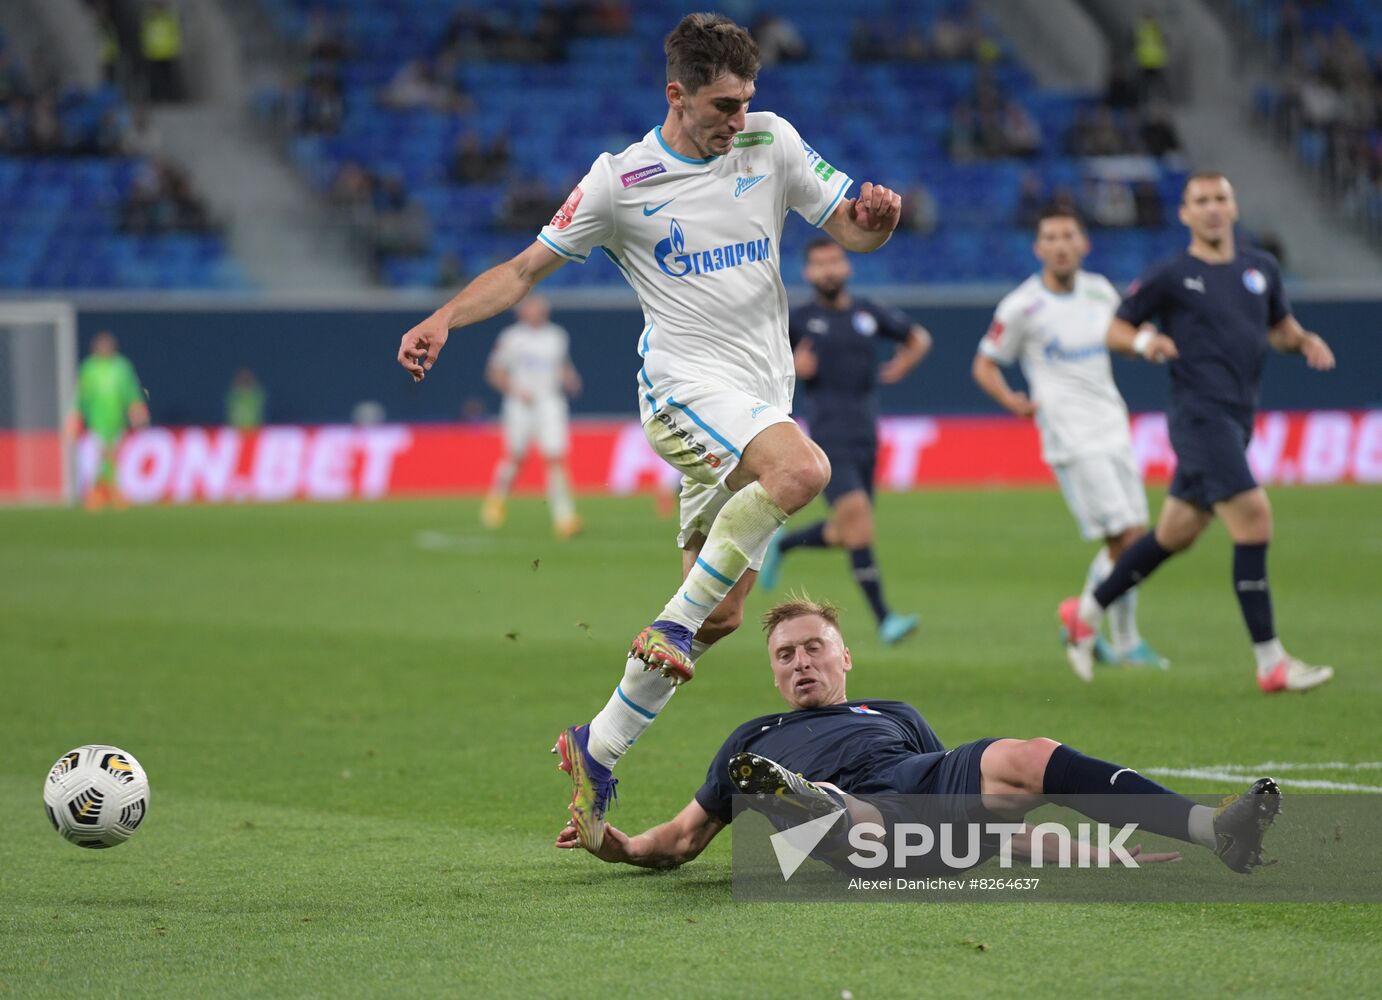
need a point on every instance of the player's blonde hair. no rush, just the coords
(799, 606)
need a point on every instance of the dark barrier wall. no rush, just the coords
(317, 365)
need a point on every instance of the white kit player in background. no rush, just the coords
(692, 215)
(531, 368)
(1053, 325)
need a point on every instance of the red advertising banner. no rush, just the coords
(181, 465)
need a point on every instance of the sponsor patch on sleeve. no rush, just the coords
(567, 212)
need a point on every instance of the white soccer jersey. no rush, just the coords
(533, 357)
(1059, 341)
(699, 242)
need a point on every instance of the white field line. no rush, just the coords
(1219, 774)
(1276, 765)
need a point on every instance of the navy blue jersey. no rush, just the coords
(842, 403)
(1218, 315)
(856, 745)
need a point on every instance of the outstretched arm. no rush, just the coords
(488, 295)
(673, 843)
(1289, 337)
(863, 224)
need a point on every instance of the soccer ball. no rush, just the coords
(96, 796)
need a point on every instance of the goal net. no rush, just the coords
(38, 365)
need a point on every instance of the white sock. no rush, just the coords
(698, 648)
(1268, 654)
(559, 493)
(1089, 611)
(738, 537)
(631, 709)
(503, 477)
(1202, 826)
(1122, 623)
(1098, 569)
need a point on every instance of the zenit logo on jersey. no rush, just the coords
(567, 212)
(676, 262)
(742, 184)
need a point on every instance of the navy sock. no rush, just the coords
(1111, 793)
(811, 538)
(866, 575)
(1137, 562)
(1254, 597)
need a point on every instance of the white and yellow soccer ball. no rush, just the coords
(96, 796)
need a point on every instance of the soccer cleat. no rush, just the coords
(661, 652)
(492, 513)
(1079, 639)
(592, 785)
(1241, 822)
(568, 527)
(1143, 655)
(1103, 650)
(759, 776)
(770, 573)
(1293, 675)
(895, 627)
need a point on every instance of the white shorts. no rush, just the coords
(702, 431)
(1104, 492)
(542, 419)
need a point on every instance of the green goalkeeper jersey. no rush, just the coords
(106, 389)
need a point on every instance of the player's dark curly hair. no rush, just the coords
(799, 606)
(703, 46)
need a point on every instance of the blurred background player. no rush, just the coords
(110, 400)
(1053, 324)
(1219, 307)
(833, 352)
(531, 368)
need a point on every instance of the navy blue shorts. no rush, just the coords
(948, 772)
(1211, 457)
(851, 467)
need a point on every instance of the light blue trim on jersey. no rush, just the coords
(643, 346)
(569, 255)
(652, 400)
(677, 156)
(634, 705)
(643, 374)
(713, 572)
(704, 426)
(844, 186)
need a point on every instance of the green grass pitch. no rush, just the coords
(345, 713)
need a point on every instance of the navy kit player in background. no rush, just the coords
(1219, 308)
(692, 215)
(833, 352)
(852, 748)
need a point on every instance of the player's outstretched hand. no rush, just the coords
(614, 848)
(421, 345)
(1153, 858)
(1317, 353)
(877, 208)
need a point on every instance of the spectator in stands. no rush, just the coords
(1152, 55)
(1123, 92)
(951, 39)
(450, 274)
(779, 41)
(1157, 131)
(475, 163)
(1147, 205)
(323, 107)
(1110, 202)
(1031, 200)
(919, 214)
(160, 38)
(527, 205)
(400, 224)
(417, 85)
(1021, 133)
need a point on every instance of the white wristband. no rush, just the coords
(1143, 341)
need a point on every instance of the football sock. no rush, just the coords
(503, 477)
(1254, 597)
(738, 538)
(631, 709)
(1122, 613)
(866, 575)
(1138, 561)
(1268, 655)
(698, 648)
(559, 493)
(1111, 793)
(812, 537)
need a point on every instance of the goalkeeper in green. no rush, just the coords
(110, 400)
